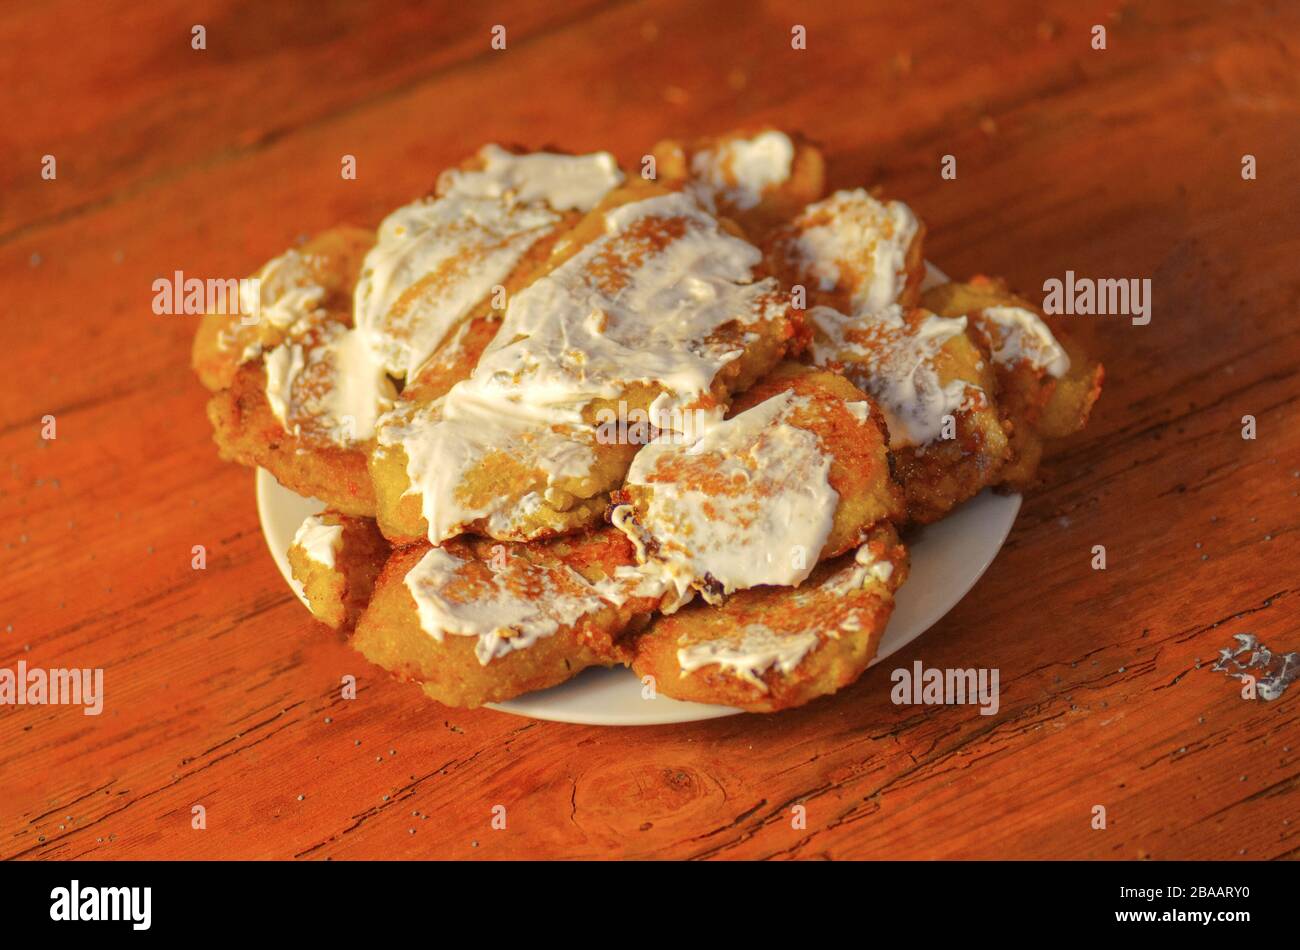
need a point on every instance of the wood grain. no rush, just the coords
(221, 691)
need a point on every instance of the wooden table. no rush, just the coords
(221, 692)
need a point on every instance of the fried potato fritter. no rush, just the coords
(772, 648)
(797, 473)
(759, 179)
(1047, 385)
(336, 559)
(862, 265)
(247, 432)
(937, 392)
(477, 621)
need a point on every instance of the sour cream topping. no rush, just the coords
(759, 648)
(749, 654)
(640, 303)
(285, 292)
(749, 503)
(438, 258)
(505, 609)
(855, 243)
(741, 170)
(894, 359)
(284, 298)
(1016, 335)
(562, 182)
(866, 567)
(327, 386)
(435, 260)
(318, 540)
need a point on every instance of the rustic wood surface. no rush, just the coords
(222, 692)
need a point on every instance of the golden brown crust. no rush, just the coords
(779, 203)
(247, 432)
(389, 633)
(334, 260)
(847, 625)
(338, 593)
(1035, 407)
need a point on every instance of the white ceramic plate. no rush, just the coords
(947, 559)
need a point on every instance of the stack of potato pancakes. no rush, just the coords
(563, 416)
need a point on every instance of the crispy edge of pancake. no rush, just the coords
(1036, 407)
(246, 431)
(337, 595)
(389, 633)
(941, 475)
(335, 256)
(836, 661)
